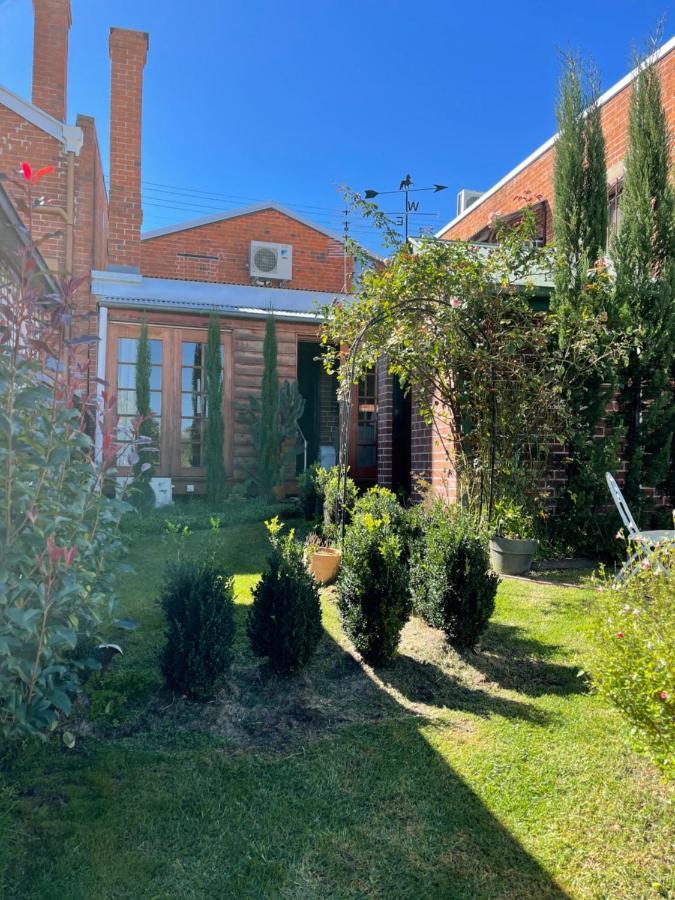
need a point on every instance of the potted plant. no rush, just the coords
(512, 548)
(322, 560)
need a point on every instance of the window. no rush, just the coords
(366, 422)
(126, 387)
(614, 209)
(193, 406)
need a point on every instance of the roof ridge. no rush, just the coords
(664, 50)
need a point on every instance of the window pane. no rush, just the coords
(191, 405)
(126, 403)
(155, 352)
(126, 377)
(126, 350)
(365, 455)
(191, 380)
(192, 353)
(156, 378)
(156, 402)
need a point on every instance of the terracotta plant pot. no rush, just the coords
(509, 556)
(324, 564)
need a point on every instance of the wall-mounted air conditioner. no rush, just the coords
(467, 198)
(271, 260)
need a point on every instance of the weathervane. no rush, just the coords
(409, 206)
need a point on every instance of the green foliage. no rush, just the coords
(214, 436)
(272, 420)
(513, 520)
(373, 594)
(196, 513)
(455, 320)
(269, 449)
(284, 623)
(309, 492)
(197, 599)
(644, 255)
(58, 533)
(583, 304)
(580, 188)
(633, 666)
(451, 584)
(141, 494)
(330, 487)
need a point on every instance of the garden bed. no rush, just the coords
(487, 774)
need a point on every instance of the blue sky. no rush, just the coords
(261, 99)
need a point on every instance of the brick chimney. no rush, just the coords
(50, 56)
(128, 50)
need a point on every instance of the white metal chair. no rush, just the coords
(643, 541)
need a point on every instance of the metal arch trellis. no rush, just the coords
(346, 401)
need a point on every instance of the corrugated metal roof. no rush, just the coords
(132, 290)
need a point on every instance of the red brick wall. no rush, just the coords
(537, 179)
(20, 141)
(50, 56)
(128, 50)
(228, 243)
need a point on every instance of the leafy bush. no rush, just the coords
(451, 584)
(373, 593)
(309, 492)
(329, 486)
(284, 623)
(633, 664)
(58, 532)
(197, 598)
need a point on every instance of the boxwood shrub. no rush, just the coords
(284, 622)
(451, 584)
(197, 599)
(373, 594)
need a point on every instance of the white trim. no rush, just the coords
(202, 296)
(100, 374)
(71, 136)
(662, 52)
(235, 213)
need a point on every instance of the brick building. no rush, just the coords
(533, 179)
(245, 264)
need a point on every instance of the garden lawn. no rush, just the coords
(494, 775)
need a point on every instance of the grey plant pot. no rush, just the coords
(511, 557)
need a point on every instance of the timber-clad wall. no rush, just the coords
(243, 371)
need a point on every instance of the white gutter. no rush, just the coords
(662, 52)
(71, 136)
(100, 374)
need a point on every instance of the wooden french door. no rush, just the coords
(177, 393)
(363, 438)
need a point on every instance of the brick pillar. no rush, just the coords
(385, 410)
(128, 50)
(50, 55)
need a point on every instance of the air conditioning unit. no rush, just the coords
(467, 198)
(271, 260)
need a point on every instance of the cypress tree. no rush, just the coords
(143, 496)
(214, 437)
(643, 253)
(582, 295)
(269, 439)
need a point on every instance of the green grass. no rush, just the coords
(488, 775)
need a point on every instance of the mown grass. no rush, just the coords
(487, 775)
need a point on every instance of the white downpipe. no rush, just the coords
(100, 374)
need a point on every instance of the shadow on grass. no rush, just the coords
(422, 682)
(518, 662)
(326, 784)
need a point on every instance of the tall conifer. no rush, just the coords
(214, 438)
(582, 295)
(644, 255)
